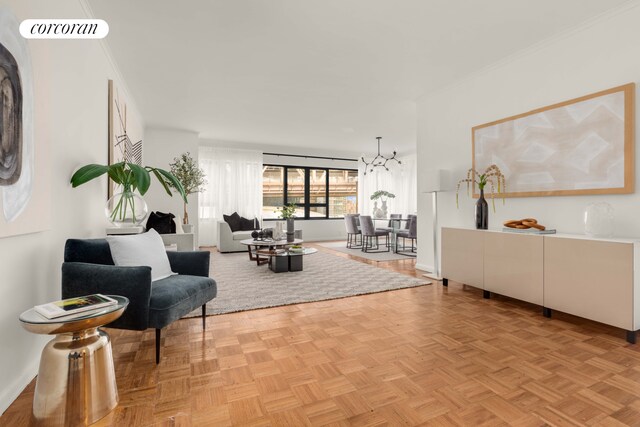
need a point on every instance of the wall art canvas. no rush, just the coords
(24, 160)
(581, 146)
(125, 132)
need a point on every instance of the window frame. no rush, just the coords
(307, 191)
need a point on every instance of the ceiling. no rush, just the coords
(330, 74)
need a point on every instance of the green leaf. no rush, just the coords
(167, 178)
(87, 173)
(141, 176)
(116, 173)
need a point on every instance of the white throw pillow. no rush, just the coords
(141, 249)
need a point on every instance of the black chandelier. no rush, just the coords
(379, 160)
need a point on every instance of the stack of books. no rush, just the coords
(74, 307)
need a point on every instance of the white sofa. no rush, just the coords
(229, 241)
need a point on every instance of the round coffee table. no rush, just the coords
(76, 382)
(253, 246)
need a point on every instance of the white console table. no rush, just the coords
(183, 241)
(585, 276)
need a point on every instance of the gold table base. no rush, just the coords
(76, 382)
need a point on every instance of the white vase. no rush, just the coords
(384, 210)
(187, 228)
(278, 231)
(598, 220)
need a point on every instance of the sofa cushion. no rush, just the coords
(141, 249)
(92, 251)
(249, 224)
(233, 220)
(177, 296)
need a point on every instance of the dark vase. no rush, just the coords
(290, 230)
(482, 212)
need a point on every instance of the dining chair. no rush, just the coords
(352, 231)
(371, 234)
(411, 233)
(407, 224)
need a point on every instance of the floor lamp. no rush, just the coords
(438, 180)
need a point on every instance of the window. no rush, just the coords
(319, 193)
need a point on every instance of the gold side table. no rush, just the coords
(76, 382)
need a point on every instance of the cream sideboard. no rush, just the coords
(587, 277)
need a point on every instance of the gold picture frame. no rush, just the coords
(125, 132)
(581, 146)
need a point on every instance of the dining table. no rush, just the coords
(397, 224)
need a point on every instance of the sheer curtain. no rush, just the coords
(234, 184)
(400, 180)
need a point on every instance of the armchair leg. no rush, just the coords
(158, 345)
(204, 316)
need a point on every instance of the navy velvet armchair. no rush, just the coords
(88, 269)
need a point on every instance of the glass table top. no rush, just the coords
(31, 316)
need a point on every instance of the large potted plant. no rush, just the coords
(190, 175)
(126, 208)
(287, 212)
(381, 195)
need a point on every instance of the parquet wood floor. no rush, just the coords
(421, 356)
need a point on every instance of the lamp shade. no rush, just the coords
(437, 180)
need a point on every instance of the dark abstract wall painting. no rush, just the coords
(24, 163)
(10, 119)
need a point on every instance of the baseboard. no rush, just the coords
(326, 239)
(11, 393)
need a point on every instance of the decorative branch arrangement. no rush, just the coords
(287, 211)
(382, 194)
(492, 176)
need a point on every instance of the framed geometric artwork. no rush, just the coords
(125, 132)
(581, 146)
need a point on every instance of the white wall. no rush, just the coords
(160, 147)
(598, 56)
(70, 94)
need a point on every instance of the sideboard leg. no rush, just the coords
(486, 294)
(445, 281)
(631, 337)
(546, 312)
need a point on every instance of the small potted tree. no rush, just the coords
(192, 178)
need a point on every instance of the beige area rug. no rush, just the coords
(242, 285)
(374, 256)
